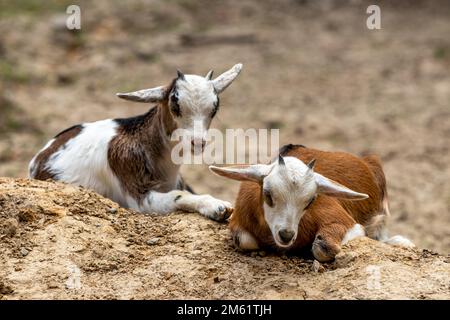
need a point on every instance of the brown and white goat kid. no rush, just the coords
(291, 205)
(129, 160)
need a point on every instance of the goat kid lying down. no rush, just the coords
(290, 205)
(129, 160)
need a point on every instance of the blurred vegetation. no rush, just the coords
(12, 73)
(31, 7)
(13, 118)
(442, 52)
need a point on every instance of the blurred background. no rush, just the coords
(311, 69)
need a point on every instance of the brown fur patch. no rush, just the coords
(374, 164)
(139, 155)
(60, 140)
(284, 150)
(134, 154)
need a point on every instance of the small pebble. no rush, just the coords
(52, 285)
(112, 210)
(24, 252)
(153, 241)
(10, 227)
(167, 275)
(5, 289)
(317, 267)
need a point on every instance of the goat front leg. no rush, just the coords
(244, 240)
(177, 200)
(329, 239)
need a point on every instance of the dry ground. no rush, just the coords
(62, 242)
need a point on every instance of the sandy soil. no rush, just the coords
(60, 241)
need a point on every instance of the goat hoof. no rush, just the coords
(323, 250)
(215, 209)
(222, 213)
(228, 212)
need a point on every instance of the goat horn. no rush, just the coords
(209, 75)
(311, 164)
(180, 75)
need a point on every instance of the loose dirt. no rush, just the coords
(64, 242)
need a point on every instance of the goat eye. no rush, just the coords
(216, 108)
(268, 198)
(310, 202)
(174, 106)
(176, 109)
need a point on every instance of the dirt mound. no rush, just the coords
(61, 241)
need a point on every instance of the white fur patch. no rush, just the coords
(84, 161)
(356, 231)
(400, 241)
(246, 241)
(162, 203)
(196, 99)
(291, 187)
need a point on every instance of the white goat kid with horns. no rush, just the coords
(129, 160)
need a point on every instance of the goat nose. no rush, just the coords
(286, 235)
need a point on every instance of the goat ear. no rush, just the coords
(147, 95)
(255, 173)
(225, 79)
(332, 188)
(209, 75)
